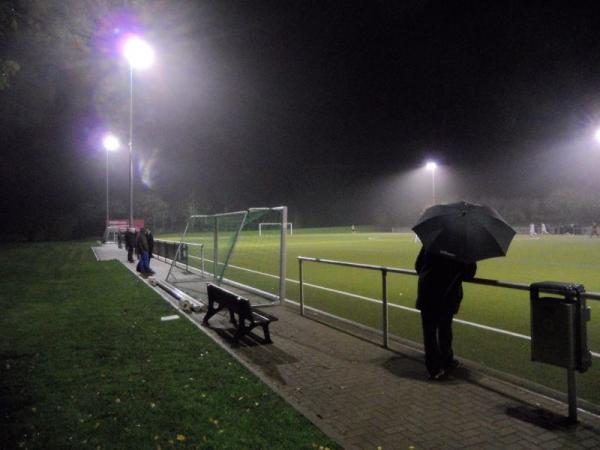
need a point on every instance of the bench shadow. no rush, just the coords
(248, 340)
(252, 348)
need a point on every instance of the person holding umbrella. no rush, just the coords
(439, 295)
(454, 237)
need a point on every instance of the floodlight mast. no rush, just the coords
(432, 166)
(140, 56)
(111, 144)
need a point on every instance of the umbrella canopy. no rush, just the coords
(464, 231)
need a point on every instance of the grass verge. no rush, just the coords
(85, 362)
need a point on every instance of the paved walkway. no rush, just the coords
(367, 397)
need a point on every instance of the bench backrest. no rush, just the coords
(239, 305)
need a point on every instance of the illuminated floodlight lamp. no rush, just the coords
(110, 143)
(431, 166)
(138, 52)
(597, 135)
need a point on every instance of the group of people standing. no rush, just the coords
(142, 242)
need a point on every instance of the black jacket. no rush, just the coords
(129, 240)
(150, 239)
(440, 282)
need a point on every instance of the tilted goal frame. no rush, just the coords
(220, 277)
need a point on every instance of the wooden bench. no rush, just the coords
(247, 317)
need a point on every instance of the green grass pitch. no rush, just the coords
(551, 258)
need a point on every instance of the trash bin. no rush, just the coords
(559, 325)
(559, 331)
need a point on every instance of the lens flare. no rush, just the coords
(110, 142)
(138, 52)
(431, 165)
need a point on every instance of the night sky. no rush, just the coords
(329, 107)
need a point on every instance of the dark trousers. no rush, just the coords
(130, 254)
(437, 338)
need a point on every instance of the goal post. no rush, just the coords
(232, 253)
(289, 227)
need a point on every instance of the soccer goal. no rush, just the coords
(265, 227)
(226, 249)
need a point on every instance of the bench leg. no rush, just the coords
(232, 318)
(241, 331)
(211, 312)
(208, 315)
(265, 328)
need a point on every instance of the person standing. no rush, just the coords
(129, 243)
(532, 232)
(439, 295)
(138, 245)
(144, 264)
(150, 239)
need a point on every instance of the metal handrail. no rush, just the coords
(482, 281)
(384, 294)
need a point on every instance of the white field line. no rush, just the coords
(393, 305)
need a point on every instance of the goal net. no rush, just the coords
(226, 249)
(268, 227)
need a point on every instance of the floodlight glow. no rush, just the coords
(597, 135)
(111, 143)
(139, 54)
(431, 166)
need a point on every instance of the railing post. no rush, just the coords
(187, 259)
(202, 258)
(572, 395)
(301, 284)
(384, 301)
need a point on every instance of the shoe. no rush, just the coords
(454, 364)
(437, 376)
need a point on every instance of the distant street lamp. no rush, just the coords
(432, 166)
(140, 56)
(597, 135)
(111, 144)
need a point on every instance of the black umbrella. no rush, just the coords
(464, 231)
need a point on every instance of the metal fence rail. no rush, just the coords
(169, 251)
(384, 290)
